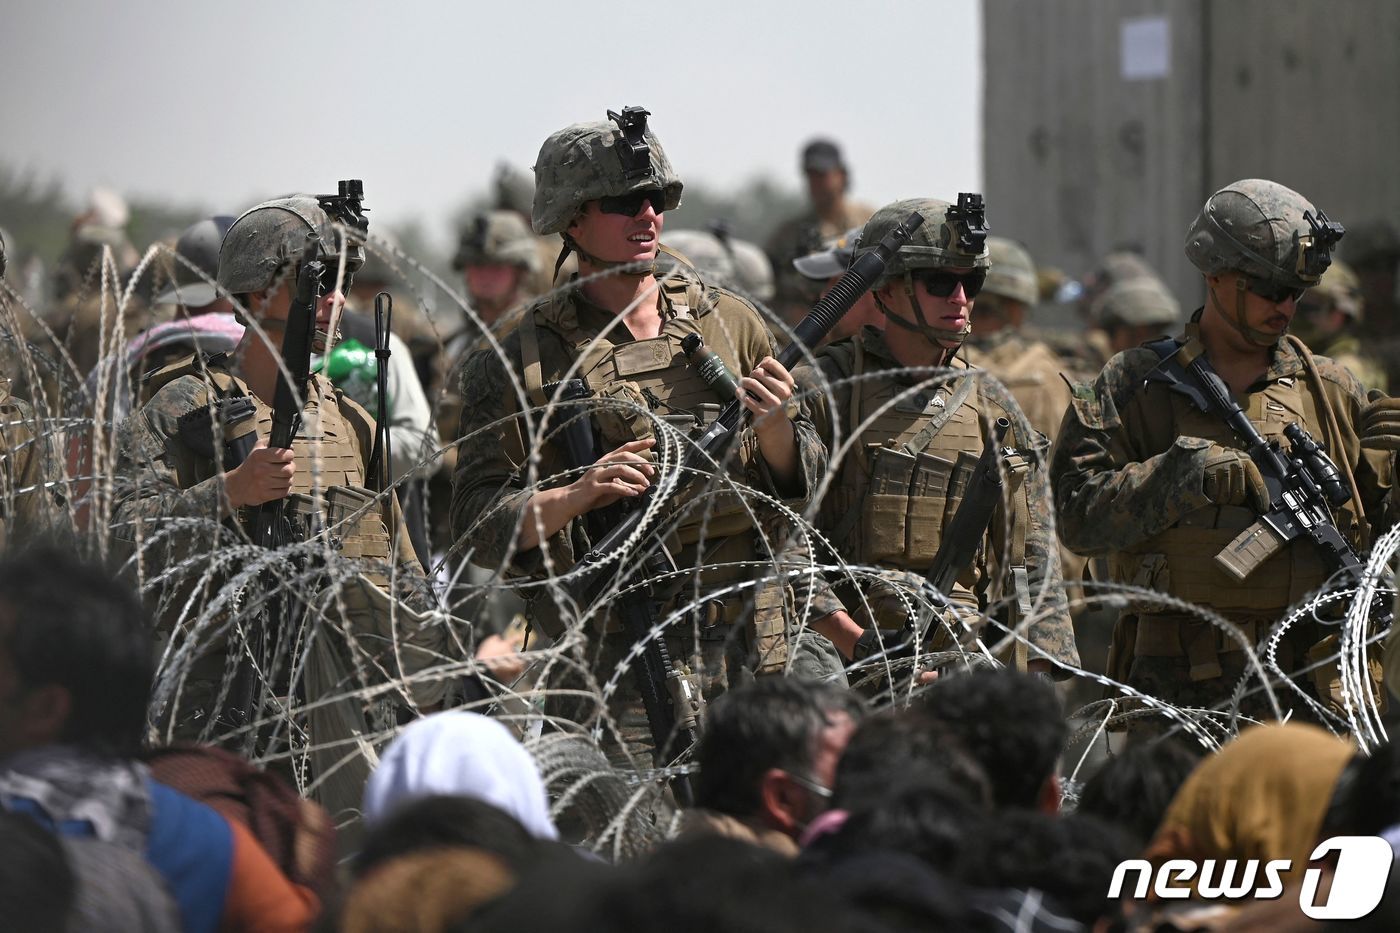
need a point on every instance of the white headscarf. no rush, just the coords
(465, 755)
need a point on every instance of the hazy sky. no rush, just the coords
(224, 103)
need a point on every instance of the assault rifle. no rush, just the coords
(673, 702)
(1303, 483)
(709, 449)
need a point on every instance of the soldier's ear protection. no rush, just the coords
(632, 149)
(1315, 247)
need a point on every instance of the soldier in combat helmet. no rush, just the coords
(1146, 478)
(171, 472)
(605, 186)
(898, 484)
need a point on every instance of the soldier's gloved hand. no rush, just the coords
(265, 476)
(1380, 422)
(1231, 478)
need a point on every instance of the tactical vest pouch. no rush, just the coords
(769, 631)
(621, 416)
(927, 502)
(643, 356)
(884, 513)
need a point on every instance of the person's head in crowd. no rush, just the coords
(1070, 859)
(194, 270)
(1011, 289)
(769, 752)
(37, 886)
(425, 891)
(1134, 788)
(455, 822)
(462, 754)
(709, 883)
(923, 815)
(1335, 304)
(1366, 798)
(897, 744)
(828, 265)
(1136, 310)
(1012, 724)
(1262, 796)
(76, 659)
(828, 178)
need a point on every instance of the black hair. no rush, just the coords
(1366, 798)
(37, 884)
(68, 622)
(1071, 859)
(773, 722)
(902, 745)
(1133, 789)
(1010, 722)
(449, 821)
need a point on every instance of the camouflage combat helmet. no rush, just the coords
(601, 159)
(1270, 234)
(705, 253)
(1012, 274)
(514, 188)
(497, 238)
(723, 258)
(951, 237)
(1138, 301)
(1339, 288)
(267, 242)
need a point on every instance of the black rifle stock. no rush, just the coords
(957, 549)
(662, 688)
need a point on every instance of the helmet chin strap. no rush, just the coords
(1260, 338)
(923, 327)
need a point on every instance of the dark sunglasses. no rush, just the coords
(328, 279)
(942, 284)
(1276, 294)
(630, 205)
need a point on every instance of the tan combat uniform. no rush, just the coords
(725, 638)
(29, 502)
(1128, 476)
(901, 481)
(161, 477)
(795, 238)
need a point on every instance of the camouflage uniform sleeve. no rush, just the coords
(29, 494)
(1109, 493)
(157, 476)
(488, 484)
(811, 452)
(812, 593)
(1051, 633)
(1373, 470)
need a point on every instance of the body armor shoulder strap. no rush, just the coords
(212, 368)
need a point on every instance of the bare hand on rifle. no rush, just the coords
(264, 476)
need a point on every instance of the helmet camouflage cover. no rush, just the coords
(1139, 301)
(268, 241)
(1265, 231)
(497, 238)
(944, 241)
(606, 158)
(1012, 273)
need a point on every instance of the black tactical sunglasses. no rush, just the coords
(942, 284)
(1276, 294)
(630, 205)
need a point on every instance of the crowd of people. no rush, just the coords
(633, 590)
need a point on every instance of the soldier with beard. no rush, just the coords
(1144, 477)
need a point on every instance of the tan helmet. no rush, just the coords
(1140, 300)
(606, 158)
(268, 241)
(1012, 274)
(1264, 230)
(497, 238)
(951, 237)
(1340, 288)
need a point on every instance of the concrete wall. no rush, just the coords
(1079, 159)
